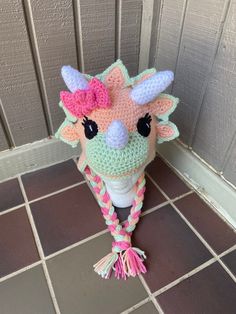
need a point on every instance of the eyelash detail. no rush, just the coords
(90, 128)
(144, 125)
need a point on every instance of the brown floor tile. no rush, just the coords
(17, 246)
(171, 247)
(207, 222)
(80, 290)
(210, 291)
(26, 293)
(51, 179)
(10, 194)
(122, 213)
(66, 218)
(153, 197)
(147, 308)
(230, 261)
(168, 181)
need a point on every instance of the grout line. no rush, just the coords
(197, 190)
(84, 240)
(180, 279)
(40, 249)
(212, 251)
(19, 271)
(185, 276)
(10, 178)
(85, 181)
(229, 272)
(165, 195)
(26, 147)
(226, 268)
(212, 205)
(181, 196)
(53, 255)
(227, 251)
(42, 197)
(176, 171)
(57, 192)
(12, 209)
(72, 246)
(151, 210)
(151, 296)
(204, 242)
(136, 306)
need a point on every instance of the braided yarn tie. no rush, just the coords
(124, 259)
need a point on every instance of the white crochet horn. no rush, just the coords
(149, 89)
(73, 78)
(117, 135)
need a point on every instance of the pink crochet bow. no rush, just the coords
(83, 102)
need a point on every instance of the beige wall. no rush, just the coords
(196, 39)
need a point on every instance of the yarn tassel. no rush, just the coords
(119, 268)
(105, 265)
(133, 262)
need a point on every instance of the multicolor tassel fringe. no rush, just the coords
(124, 259)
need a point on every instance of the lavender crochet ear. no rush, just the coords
(149, 89)
(73, 78)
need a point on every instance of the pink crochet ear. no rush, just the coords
(69, 133)
(164, 105)
(115, 78)
(166, 131)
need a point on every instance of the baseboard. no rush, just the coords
(34, 156)
(209, 184)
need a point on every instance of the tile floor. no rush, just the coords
(51, 233)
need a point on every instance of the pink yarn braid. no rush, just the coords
(124, 259)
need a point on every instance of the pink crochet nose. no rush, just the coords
(117, 135)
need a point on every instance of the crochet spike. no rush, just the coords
(73, 78)
(149, 89)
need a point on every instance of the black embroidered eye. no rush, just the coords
(144, 125)
(90, 128)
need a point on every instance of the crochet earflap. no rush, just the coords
(118, 120)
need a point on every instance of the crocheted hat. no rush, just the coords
(117, 120)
